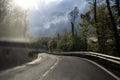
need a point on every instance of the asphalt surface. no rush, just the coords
(50, 67)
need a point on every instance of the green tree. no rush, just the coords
(52, 45)
(85, 27)
(73, 15)
(94, 10)
(105, 29)
(116, 35)
(65, 42)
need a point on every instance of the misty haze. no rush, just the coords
(59, 39)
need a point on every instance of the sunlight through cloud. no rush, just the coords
(33, 4)
(25, 4)
(51, 1)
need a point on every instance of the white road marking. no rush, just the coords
(52, 67)
(117, 78)
(47, 72)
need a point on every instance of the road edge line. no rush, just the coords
(103, 68)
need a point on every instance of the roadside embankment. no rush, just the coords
(10, 57)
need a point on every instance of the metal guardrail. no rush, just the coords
(102, 56)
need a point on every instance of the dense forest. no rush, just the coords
(97, 31)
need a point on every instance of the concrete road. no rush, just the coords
(49, 67)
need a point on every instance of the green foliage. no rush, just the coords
(85, 27)
(40, 43)
(104, 28)
(113, 17)
(93, 46)
(66, 42)
(52, 44)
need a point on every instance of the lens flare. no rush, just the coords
(25, 4)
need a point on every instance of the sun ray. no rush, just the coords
(25, 4)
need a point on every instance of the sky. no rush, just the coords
(46, 17)
(51, 16)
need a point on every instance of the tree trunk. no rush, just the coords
(97, 30)
(117, 6)
(86, 45)
(72, 25)
(95, 12)
(114, 28)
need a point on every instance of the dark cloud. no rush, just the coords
(47, 20)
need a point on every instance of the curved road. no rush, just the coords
(50, 67)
